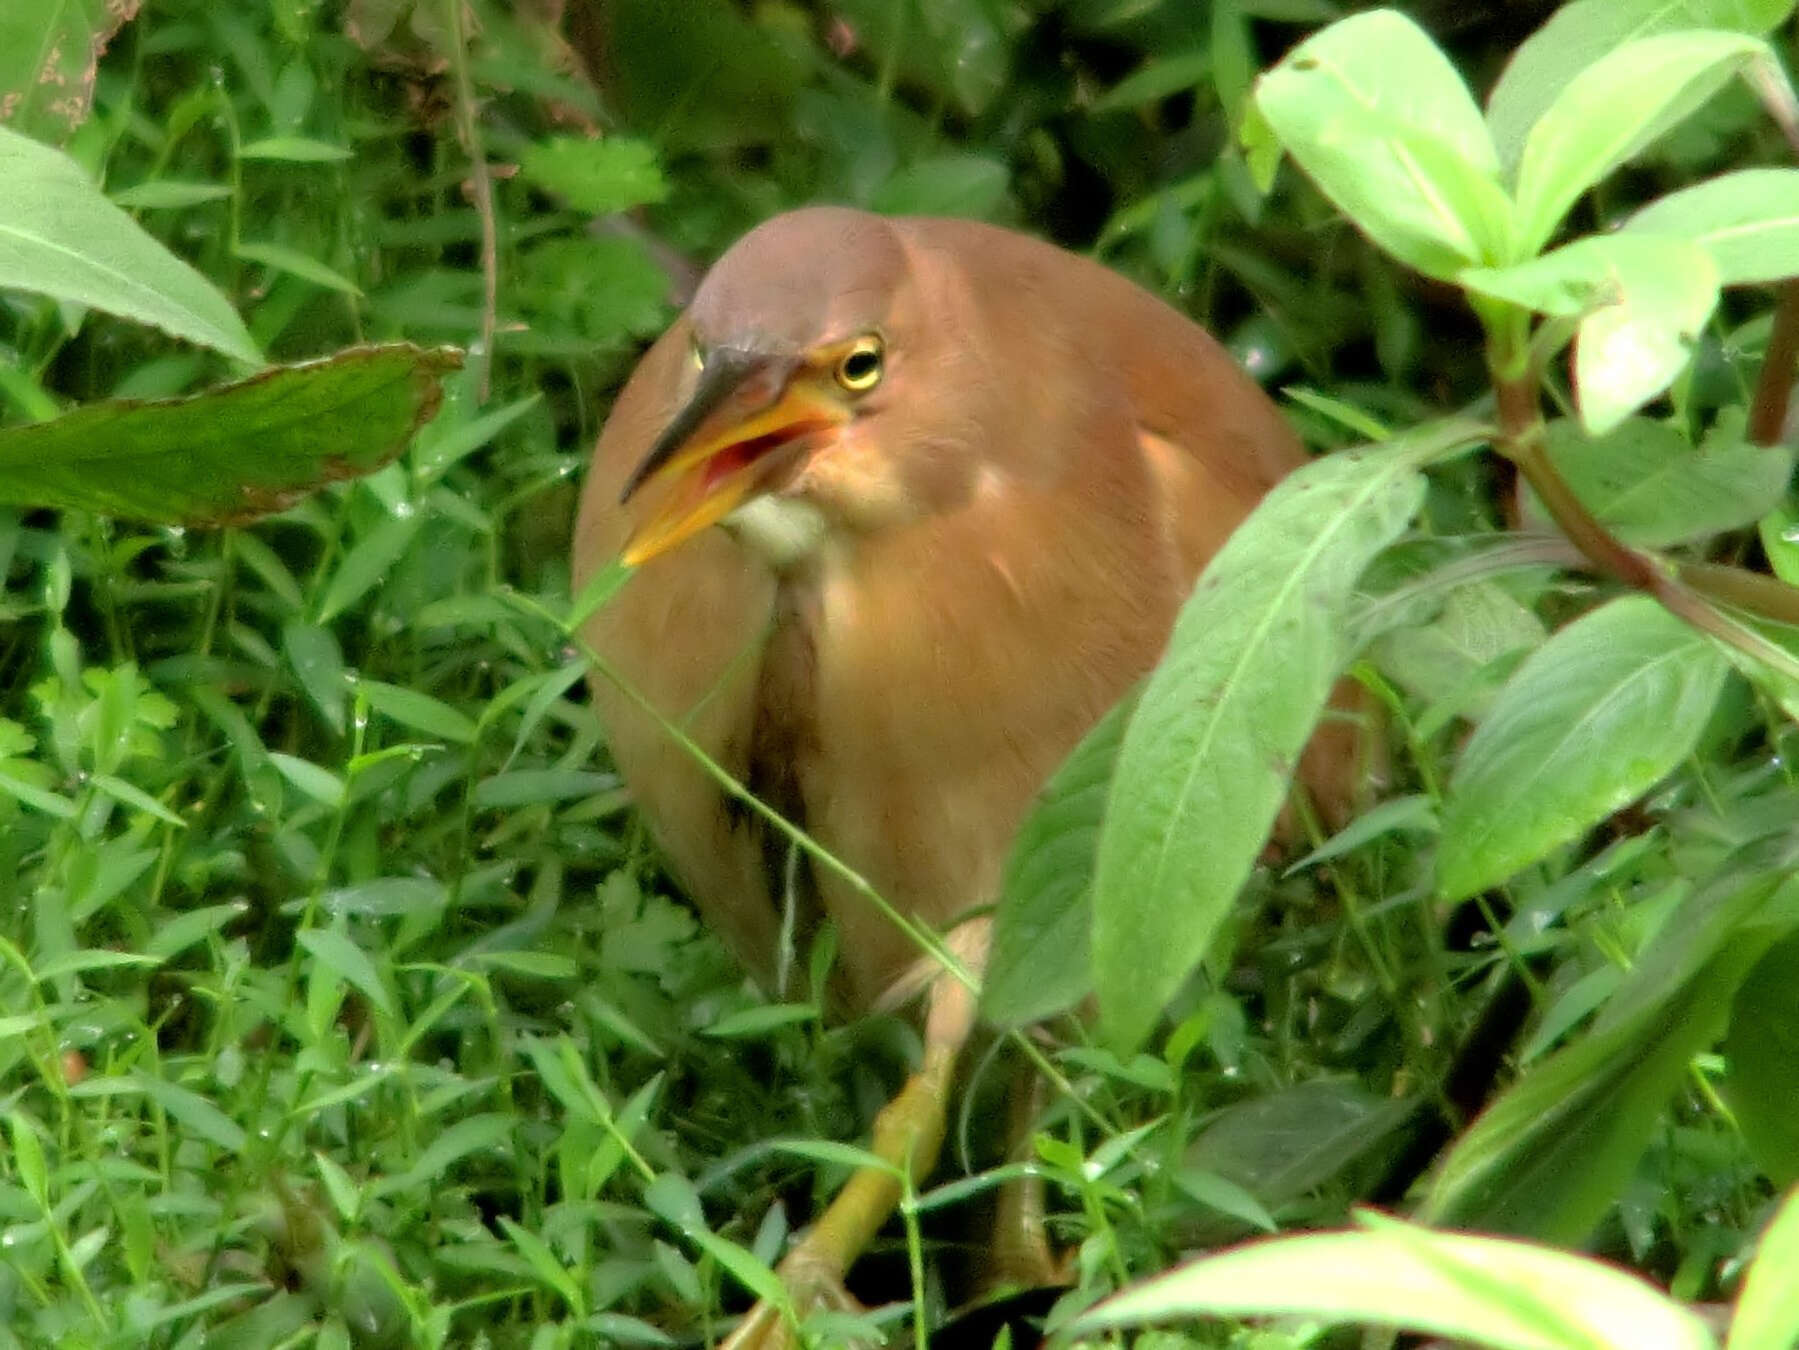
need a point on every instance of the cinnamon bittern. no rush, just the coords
(962, 482)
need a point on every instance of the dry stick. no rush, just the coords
(481, 181)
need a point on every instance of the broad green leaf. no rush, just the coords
(1641, 300)
(60, 237)
(1767, 1316)
(1488, 1291)
(1747, 221)
(1592, 720)
(1612, 109)
(1582, 31)
(1762, 1051)
(1374, 113)
(1649, 486)
(232, 453)
(1452, 657)
(596, 177)
(1209, 753)
(1556, 1150)
(1040, 962)
(49, 55)
(1281, 1146)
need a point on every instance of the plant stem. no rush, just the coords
(1774, 386)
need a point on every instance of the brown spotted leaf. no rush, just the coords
(233, 453)
(49, 51)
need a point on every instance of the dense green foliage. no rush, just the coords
(341, 999)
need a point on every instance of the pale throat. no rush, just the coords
(783, 530)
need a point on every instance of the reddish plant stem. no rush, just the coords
(1774, 386)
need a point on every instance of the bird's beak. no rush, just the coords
(705, 462)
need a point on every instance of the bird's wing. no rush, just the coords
(709, 602)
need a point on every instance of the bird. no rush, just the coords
(911, 503)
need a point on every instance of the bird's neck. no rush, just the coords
(784, 531)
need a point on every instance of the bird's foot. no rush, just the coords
(814, 1286)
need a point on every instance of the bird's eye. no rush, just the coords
(860, 369)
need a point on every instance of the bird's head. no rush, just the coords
(793, 406)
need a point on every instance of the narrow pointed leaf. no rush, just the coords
(61, 237)
(1207, 758)
(1592, 720)
(1557, 1149)
(1480, 1290)
(232, 453)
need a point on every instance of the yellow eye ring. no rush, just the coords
(860, 368)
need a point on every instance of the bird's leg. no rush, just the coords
(1020, 1254)
(908, 1134)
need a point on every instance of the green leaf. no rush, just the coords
(318, 663)
(1486, 1290)
(672, 1199)
(167, 194)
(1641, 300)
(1592, 720)
(295, 150)
(550, 1271)
(1280, 1146)
(296, 263)
(1154, 81)
(1207, 757)
(369, 563)
(316, 781)
(194, 1111)
(28, 1157)
(60, 237)
(1649, 486)
(945, 185)
(1582, 31)
(596, 177)
(1374, 113)
(1040, 962)
(1612, 109)
(1747, 221)
(343, 958)
(1762, 1052)
(1553, 1153)
(49, 56)
(418, 710)
(233, 453)
(1767, 1316)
